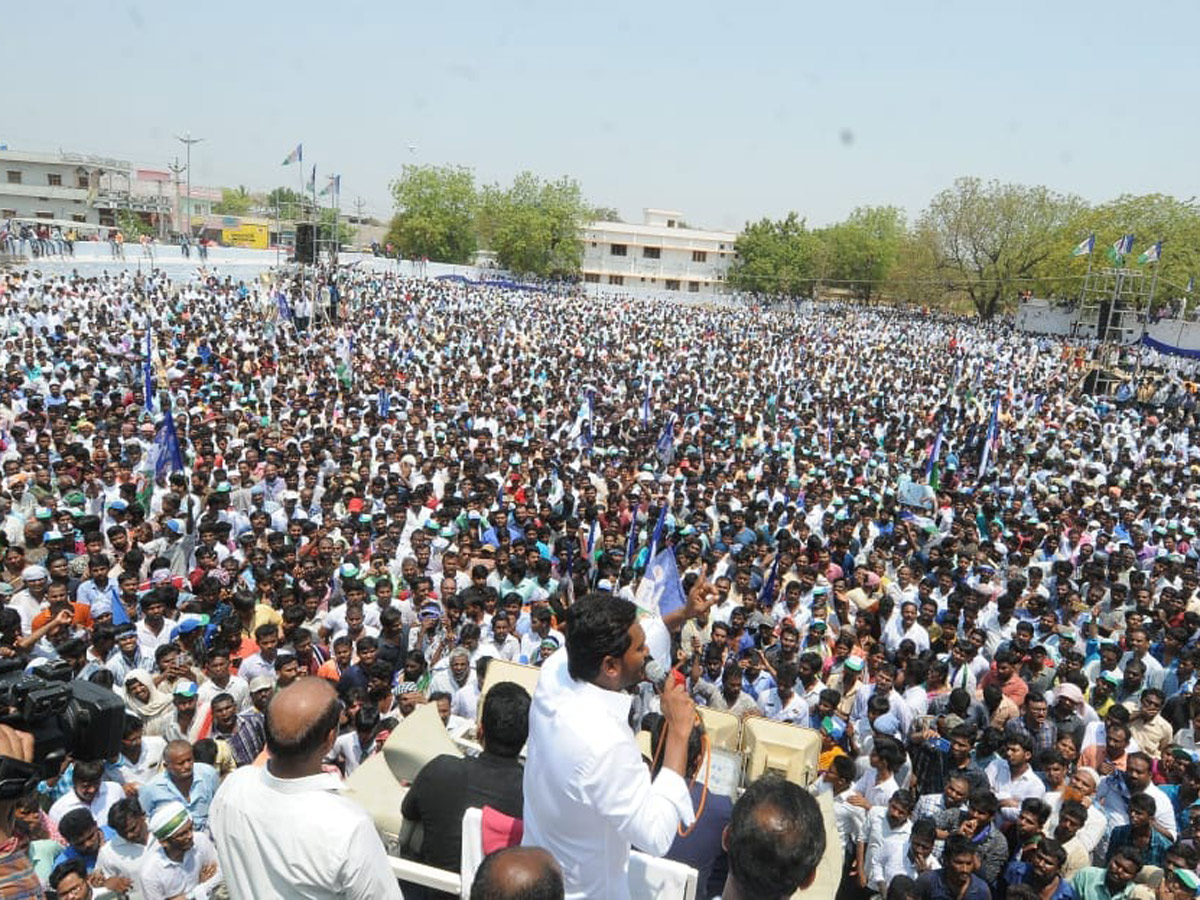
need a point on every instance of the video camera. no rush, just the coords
(65, 717)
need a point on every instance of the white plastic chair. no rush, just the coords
(472, 848)
(653, 878)
(426, 876)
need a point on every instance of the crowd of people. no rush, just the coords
(915, 535)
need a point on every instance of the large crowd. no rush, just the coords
(979, 584)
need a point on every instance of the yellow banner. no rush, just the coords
(253, 236)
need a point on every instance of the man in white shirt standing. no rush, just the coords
(262, 817)
(588, 795)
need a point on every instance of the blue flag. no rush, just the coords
(665, 448)
(631, 544)
(168, 456)
(765, 596)
(119, 616)
(148, 372)
(991, 440)
(656, 537)
(646, 408)
(285, 308)
(383, 403)
(661, 588)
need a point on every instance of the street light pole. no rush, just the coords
(187, 140)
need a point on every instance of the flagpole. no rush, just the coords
(1137, 371)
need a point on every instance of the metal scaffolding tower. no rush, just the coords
(1113, 305)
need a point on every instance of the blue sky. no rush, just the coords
(727, 112)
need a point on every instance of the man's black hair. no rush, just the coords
(776, 839)
(505, 719)
(62, 870)
(598, 627)
(76, 823)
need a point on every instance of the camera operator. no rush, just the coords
(17, 878)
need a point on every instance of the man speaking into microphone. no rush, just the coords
(588, 795)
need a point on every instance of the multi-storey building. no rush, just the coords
(661, 254)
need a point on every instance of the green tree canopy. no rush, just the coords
(234, 202)
(777, 257)
(990, 238)
(533, 226)
(862, 250)
(1150, 218)
(435, 213)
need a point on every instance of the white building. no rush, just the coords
(86, 189)
(662, 254)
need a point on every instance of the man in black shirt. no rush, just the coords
(447, 786)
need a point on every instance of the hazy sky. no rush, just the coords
(726, 111)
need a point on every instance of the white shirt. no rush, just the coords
(1024, 786)
(893, 859)
(287, 839)
(348, 751)
(108, 794)
(161, 877)
(335, 620)
(238, 688)
(588, 795)
(122, 857)
(148, 763)
(879, 834)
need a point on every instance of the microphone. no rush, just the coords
(657, 674)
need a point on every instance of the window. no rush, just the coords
(54, 179)
(14, 176)
(618, 249)
(593, 243)
(43, 214)
(8, 213)
(670, 223)
(82, 181)
(78, 217)
(651, 253)
(616, 279)
(591, 277)
(672, 284)
(699, 256)
(108, 218)
(693, 287)
(720, 246)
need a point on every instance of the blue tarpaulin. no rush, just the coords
(1167, 348)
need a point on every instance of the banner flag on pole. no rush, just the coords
(661, 588)
(148, 371)
(991, 441)
(1085, 246)
(168, 455)
(1122, 248)
(295, 156)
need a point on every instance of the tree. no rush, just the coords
(132, 225)
(781, 257)
(533, 226)
(605, 214)
(1150, 218)
(435, 210)
(863, 249)
(234, 202)
(990, 238)
(345, 231)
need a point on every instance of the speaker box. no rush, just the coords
(306, 243)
